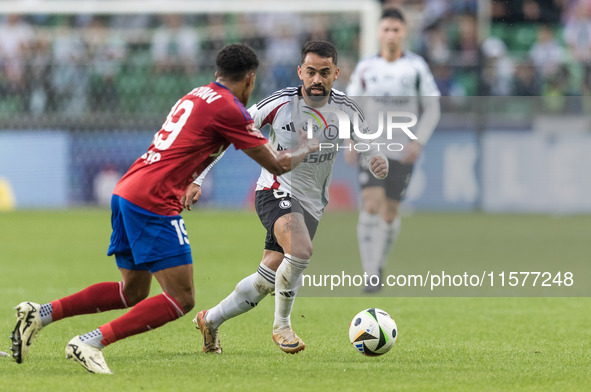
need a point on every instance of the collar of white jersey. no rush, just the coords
(404, 54)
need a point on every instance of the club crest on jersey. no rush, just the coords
(285, 204)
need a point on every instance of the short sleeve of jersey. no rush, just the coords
(238, 127)
(257, 115)
(264, 112)
(427, 86)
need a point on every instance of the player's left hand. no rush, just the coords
(413, 150)
(379, 167)
(192, 194)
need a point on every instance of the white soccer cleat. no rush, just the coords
(288, 341)
(88, 356)
(211, 340)
(27, 328)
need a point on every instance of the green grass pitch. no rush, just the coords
(445, 343)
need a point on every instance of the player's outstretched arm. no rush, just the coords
(279, 162)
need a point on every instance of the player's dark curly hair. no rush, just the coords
(321, 48)
(393, 13)
(235, 61)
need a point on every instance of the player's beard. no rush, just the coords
(315, 96)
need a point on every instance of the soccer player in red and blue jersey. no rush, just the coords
(149, 238)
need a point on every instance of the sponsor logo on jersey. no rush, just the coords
(289, 127)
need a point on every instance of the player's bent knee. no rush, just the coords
(135, 295)
(389, 219)
(187, 302)
(371, 208)
(303, 250)
(371, 205)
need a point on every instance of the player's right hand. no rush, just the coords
(192, 194)
(379, 167)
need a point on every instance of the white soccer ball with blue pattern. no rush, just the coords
(373, 332)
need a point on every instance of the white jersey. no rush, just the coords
(286, 112)
(397, 86)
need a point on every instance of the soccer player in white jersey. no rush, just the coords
(394, 80)
(290, 206)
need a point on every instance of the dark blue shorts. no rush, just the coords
(142, 240)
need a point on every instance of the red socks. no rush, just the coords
(96, 298)
(148, 314)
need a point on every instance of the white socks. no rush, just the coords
(247, 294)
(93, 338)
(287, 284)
(376, 238)
(367, 233)
(387, 235)
(46, 312)
(252, 289)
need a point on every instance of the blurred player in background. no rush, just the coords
(149, 238)
(290, 206)
(394, 80)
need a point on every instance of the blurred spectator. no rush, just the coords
(318, 29)
(555, 90)
(529, 11)
(136, 22)
(448, 84)
(134, 26)
(175, 46)
(577, 32)
(526, 82)
(16, 38)
(107, 51)
(466, 44)
(463, 6)
(497, 68)
(435, 46)
(38, 77)
(250, 34)
(215, 37)
(282, 52)
(546, 54)
(541, 11)
(70, 71)
(434, 11)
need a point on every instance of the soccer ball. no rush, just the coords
(373, 332)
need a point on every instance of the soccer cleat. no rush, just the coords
(369, 289)
(211, 340)
(288, 341)
(88, 356)
(27, 328)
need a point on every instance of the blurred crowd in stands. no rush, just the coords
(79, 64)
